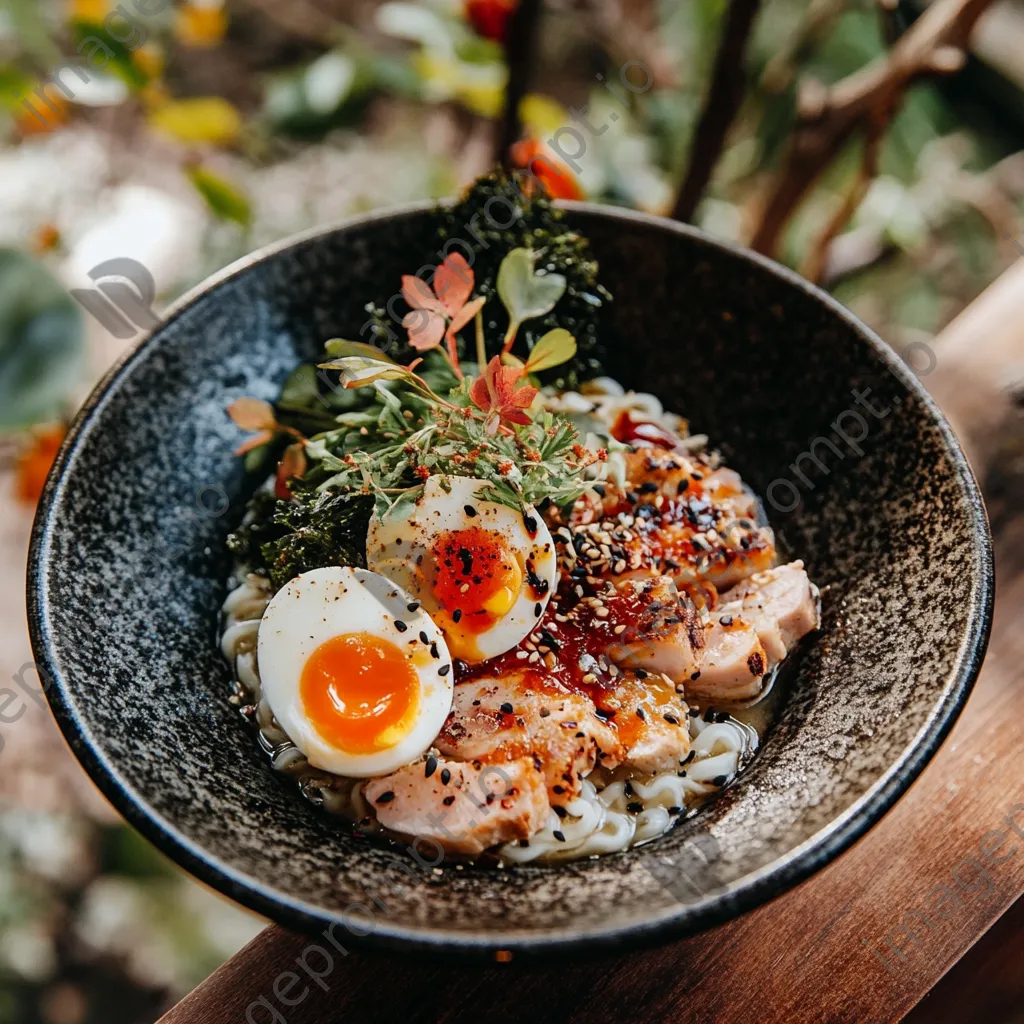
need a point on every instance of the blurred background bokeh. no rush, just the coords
(184, 134)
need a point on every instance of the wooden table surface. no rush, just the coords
(865, 939)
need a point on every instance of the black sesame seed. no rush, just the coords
(719, 780)
(558, 789)
(448, 801)
(682, 485)
(530, 523)
(537, 609)
(434, 653)
(470, 511)
(600, 490)
(648, 487)
(424, 638)
(632, 497)
(559, 835)
(385, 798)
(634, 807)
(457, 615)
(444, 670)
(413, 606)
(671, 719)
(695, 675)
(675, 810)
(627, 788)
(640, 674)
(506, 708)
(446, 776)
(641, 714)
(431, 766)
(559, 810)
(400, 626)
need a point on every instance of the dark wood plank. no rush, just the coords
(862, 940)
(987, 984)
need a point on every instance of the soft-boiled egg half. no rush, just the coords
(483, 571)
(354, 670)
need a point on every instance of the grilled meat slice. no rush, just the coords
(523, 715)
(753, 629)
(465, 807)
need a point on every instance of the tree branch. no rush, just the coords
(934, 44)
(815, 264)
(724, 97)
(519, 52)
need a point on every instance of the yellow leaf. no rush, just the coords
(200, 25)
(149, 59)
(554, 348)
(541, 115)
(252, 414)
(88, 10)
(203, 119)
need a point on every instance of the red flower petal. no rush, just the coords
(417, 293)
(453, 283)
(479, 394)
(426, 329)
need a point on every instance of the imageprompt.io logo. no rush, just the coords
(122, 301)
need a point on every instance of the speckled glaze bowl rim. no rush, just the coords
(748, 892)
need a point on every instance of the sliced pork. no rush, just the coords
(524, 715)
(465, 807)
(753, 628)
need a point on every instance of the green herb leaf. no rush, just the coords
(525, 293)
(339, 347)
(222, 197)
(358, 371)
(553, 349)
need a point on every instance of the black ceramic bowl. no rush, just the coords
(128, 567)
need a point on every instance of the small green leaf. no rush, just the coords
(554, 348)
(339, 347)
(358, 371)
(223, 198)
(41, 342)
(525, 293)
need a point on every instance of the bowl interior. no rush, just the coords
(129, 565)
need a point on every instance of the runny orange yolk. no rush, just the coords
(477, 578)
(360, 692)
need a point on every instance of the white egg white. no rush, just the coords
(324, 603)
(399, 546)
